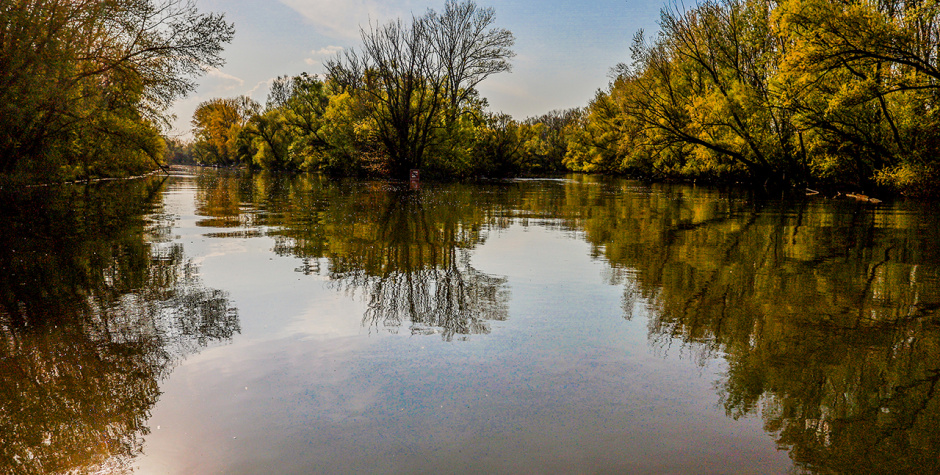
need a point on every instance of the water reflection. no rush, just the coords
(407, 252)
(413, 266)
(96, 307)
(827, 312)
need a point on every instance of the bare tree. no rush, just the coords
(396, 73)
(469, 49)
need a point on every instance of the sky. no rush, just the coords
(564, 49)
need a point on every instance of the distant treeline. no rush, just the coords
(786, 93)
(407, 99)
(322, 127)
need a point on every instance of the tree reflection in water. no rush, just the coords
(417, 270)
(827, 313)
(95, 309)
(406, 251)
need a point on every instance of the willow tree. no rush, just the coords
(289, 132)
(78, 73)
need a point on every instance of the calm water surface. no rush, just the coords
(227, 323)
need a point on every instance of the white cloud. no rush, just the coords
(260, 91)
(318, 55)
(218, 74)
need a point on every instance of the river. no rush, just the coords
(221, 322)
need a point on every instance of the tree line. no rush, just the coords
(406, 99)
(786, 93)
(793, 93)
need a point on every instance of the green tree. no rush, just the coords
(546, 143)
(352, 146)
(218, 128)
(303, 101)
(270, 135)
(496, 145)
(79, 76)
(179, 152)
(408, 74)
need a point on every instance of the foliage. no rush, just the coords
(416, 78)
(407, 100)
(84, 84)
(179, 152)
(545, 141)
(218, 125)
(793, 92)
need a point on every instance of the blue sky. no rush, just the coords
(564, 50)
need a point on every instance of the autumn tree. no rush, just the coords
(864, 77)
(410, 73)
(601, 139)
(78, 77)
(706, 86)
(397, 76)
(218, 127)
(787, 93)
